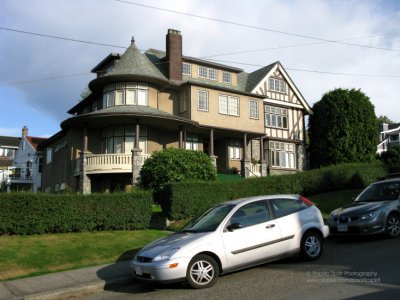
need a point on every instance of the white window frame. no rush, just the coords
(276, 117)
(235, 149)
(192, 142)
(277, 85)
(202, 72)
(227, 77)
(202, 106)
(282, 155)
(186, 69)
(253, 109)
(208, 73)
(229, 105)
(138, 94)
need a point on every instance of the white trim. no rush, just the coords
(279, 67)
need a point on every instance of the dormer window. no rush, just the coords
(186, 69)
(208, 73)
(125, 93)
(227, 77)
(277, 85)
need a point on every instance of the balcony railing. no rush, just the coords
(108, 163)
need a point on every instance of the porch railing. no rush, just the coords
(108, 163)
(255, 170)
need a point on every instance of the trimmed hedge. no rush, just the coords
(188, 199)
(26, 213)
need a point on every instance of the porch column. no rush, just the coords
(84, 179)
(264, 169)
(180, 137)
(246, 163)
(211, 149)
(137, 158)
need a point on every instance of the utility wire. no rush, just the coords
(43, 79)
(255, 27)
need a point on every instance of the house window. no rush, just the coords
(125, 93)
(234, 149)
(121, 139)
(277, 85)
(186, 69)
(192, 142)
(208, 73)
(202, 101)
(282, 155)
(228, 105)
(49, 155)
(182, 102)
(227, 77)
(275, 117)
(253, 109)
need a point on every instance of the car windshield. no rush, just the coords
(210, 220)
(380, 192)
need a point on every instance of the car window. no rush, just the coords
(380, 192)
(283, 207)
(251, 214)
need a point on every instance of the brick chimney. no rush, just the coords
(174, 54)
(24, 131)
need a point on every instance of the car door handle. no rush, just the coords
(270, 226)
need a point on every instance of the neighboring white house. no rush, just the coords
(8, 148)
(388, 137)
(26, 173)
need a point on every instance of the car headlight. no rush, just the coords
(165, 255)
(369, 216)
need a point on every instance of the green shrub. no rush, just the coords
(26, 213)
(188, 199)
(174, 165)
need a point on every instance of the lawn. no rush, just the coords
(22, 256)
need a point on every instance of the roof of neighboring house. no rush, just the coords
(35, 141)
(393, 126)
(9, 141)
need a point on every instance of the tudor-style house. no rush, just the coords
(145, 102)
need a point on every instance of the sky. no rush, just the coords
(322, 44)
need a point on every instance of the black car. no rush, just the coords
(375, 210)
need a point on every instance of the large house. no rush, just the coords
(144, 102)
(389, 136)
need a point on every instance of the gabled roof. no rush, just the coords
(35, 141)
(248, 81)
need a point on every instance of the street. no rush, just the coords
(350, 268)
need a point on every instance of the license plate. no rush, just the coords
(342, 227)
(139, 271)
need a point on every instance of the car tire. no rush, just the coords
(311, 246)
(393, 226)
(202, 272)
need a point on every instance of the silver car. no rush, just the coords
(375, 210)
(231, 236)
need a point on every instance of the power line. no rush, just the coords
(43, 79)
(61, 38)
(255, 27)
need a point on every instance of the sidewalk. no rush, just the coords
(68, 284)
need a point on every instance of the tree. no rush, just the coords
(85, 92)
(391, 157)
(342, 129)
(172, 165)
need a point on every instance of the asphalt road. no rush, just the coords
(352, 268)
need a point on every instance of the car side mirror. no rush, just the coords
(234, 226)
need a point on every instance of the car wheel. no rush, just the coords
(311, 246)
(393, 226)
(203, 272)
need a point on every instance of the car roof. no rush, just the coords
(397, 180)
(262, 197)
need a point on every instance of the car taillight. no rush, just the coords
(306, 201)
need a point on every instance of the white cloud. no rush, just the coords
(26, 57)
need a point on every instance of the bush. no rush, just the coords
(188, 199)
(391, 158)
(174, 165)
(26, 213)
